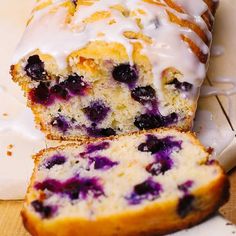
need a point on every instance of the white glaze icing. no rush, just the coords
(217, 50)
(212, 90)
(210, 134)
(20, 120)
(207, 91)
(23, 124)
(49, 33)
(195, 8)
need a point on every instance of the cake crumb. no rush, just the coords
(9, 153)
(10, 146)
(5, 114)
(229, 223)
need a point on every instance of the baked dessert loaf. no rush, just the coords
(146, 183)
(96, 68)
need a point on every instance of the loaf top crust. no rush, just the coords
(170, 33)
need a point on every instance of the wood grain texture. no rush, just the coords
(224, 35)
(10, 219)
(229, 209)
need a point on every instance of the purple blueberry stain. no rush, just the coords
(152, 121)
(74, 188)
(182, 86)
(60, 123)
(100, 132)
(160, 166)
(156, 145)
(60, 92)
(102, 163)
(169, 119)
(45, 211)
(184, 187)
(143, 95)
(35, 68)
(211, 162)
(185, 205)
(147, 121)
(45, 95)
(161, 148)
(80, 188)
(50, 185)
(55, 160)
(41, 95)
(97, 147)
(125, 73)
(74, 2)
(93, 148)
(75, 84)
(96, 111)
(147, 190)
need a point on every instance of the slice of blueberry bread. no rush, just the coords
(100, 68)
(147, 183)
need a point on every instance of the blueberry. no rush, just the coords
(147, 121)
(160, 166)
(102, 163)
(35, 68)
(185, 205)
(75, 188)
(169, 119)
(45, 211)
(37, 205)
(55, 160)
(155, 145)
(147, 190)
(75, 84)
(61, 123)
(162, 149)
(79, 188)
(125, 73)
(41, 94)
(152, 121)
(96, 111)
(183, 86)
(143, 94)
(49, 184)
(60, 92)
(100, 132)
(106, 132)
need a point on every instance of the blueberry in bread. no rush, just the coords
(99, 68)
(146, 183)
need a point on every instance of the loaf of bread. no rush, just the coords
(146, 183)
(96, 68)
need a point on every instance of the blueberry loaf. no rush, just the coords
(139, 184)
(96, 68)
